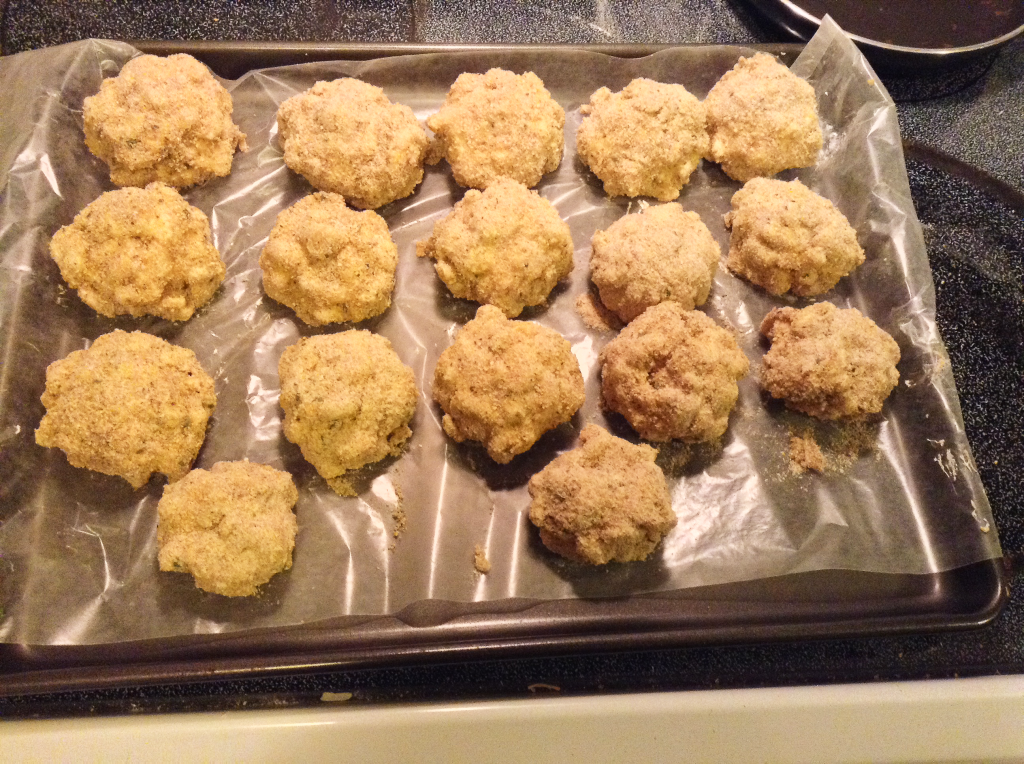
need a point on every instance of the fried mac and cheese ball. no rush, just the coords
(786, 238)
(672, 374)
(129, 405)
(499, 125)
(231, 527)
(762, 119)
(645, 140)
(505, 383)
(346, 137)
(604, 501)
(140, 251)
(348, 400)
(661, 254)
(162, 119)
(329, 263)
(505, 246)
(827, 362)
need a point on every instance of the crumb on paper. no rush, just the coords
(544, 686)
(595, 315)
(398, 516)
(335, 697)
(480, 561)
(805, 453)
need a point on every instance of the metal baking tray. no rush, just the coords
(814, 605)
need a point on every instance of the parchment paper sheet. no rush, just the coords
(77, 549)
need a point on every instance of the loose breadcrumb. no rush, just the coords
(162, 119)
(595, 315)
(480, 561)
(804, 453)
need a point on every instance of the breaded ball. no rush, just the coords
(645, 140)
(231, 527)
(140, 251)
(604, 501)
(505, 383)
(827, 362)
(162, 119)
(345, 136)
(129, 405)
(672, 374)
(661, 254)
(505, 246)
(762, 119)
(348, 400)
(786, 238)
(329, 263)
(499, 125)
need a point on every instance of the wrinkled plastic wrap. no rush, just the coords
(78, 549)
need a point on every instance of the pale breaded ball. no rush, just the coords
(672, 374)
(499, 125)
(329, 263)
(348, 400)
(645, 140)
(505, 246)
(762, 119)
(346, 137)
(129, 405)
(827, 362)
(604, 501)
(505, 383)
(661, 254)
(231, 527)
(786, 238)
(162, 119)
(140, 251)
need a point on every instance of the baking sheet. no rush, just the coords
(78, 548)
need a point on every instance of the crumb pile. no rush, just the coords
(499, 125)
(162, 119)
(661, 254)
(762, 119)
(786, 238)
(348, 400)
(140, 251)
(329, 263)
(604, 501)
(643, 141)
(505, 383)
(129, 405)
(345, 136)
(505, 246)
(827, 362)
(672, 374)
(231, 527)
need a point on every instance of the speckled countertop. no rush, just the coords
(973, 114)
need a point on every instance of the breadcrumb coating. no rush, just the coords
(329, 263)
(604, 501)
(140, 251)
(645, 140)
(231, 527)
(346, 137)
(348, 400)
(827, 362)
(786, 238)
(661, 254)
(672, 374)
(499, 125)
(505, 246)
(129, 405)
(162, 119)
(505, 383)
(762, 119)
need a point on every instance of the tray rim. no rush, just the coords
(316, 647)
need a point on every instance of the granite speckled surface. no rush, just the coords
(976, 118)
